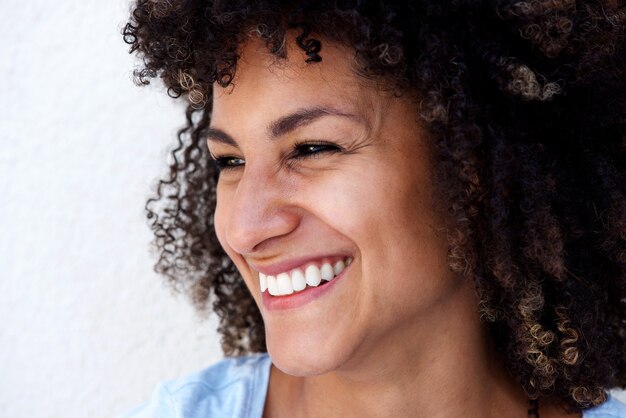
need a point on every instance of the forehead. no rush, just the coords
(269, 86)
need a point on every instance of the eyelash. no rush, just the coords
(224, 163)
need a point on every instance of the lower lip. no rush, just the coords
(295, 300)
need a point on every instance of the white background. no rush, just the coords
(87, 328)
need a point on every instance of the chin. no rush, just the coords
(298, 357)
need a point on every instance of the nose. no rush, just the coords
(261, 210)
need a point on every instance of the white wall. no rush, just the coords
(87, 328)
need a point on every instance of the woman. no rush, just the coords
(416, 210)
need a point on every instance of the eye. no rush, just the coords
(227, 162)
(313, 149)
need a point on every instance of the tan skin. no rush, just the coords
(400, 335)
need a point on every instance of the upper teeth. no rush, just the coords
(296, 280)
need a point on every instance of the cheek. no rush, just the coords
(339, 203)
(360, 200)
(387, 212)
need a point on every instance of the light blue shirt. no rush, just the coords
(236, 388)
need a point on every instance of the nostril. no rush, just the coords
(253, 234)
(253, 226)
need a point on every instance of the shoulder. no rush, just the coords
(233, 387)
(612, 408)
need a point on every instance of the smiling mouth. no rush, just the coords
(299, 279)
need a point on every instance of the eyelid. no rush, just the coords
(220, 162)
(326, 148)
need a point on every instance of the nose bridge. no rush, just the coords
(260, 210)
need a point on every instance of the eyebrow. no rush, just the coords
(302, 117)
(286, 124)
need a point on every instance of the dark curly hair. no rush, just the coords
(525, 105)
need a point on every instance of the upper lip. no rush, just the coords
(283, 266)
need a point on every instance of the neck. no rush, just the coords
(443, 366)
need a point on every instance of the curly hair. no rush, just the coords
(525, 105)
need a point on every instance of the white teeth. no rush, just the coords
(298, 282)
(327, 272)
(339, 266)
(271, 285)
(312, 275)
(284, 284)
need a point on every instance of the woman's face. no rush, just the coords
(323, 167)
